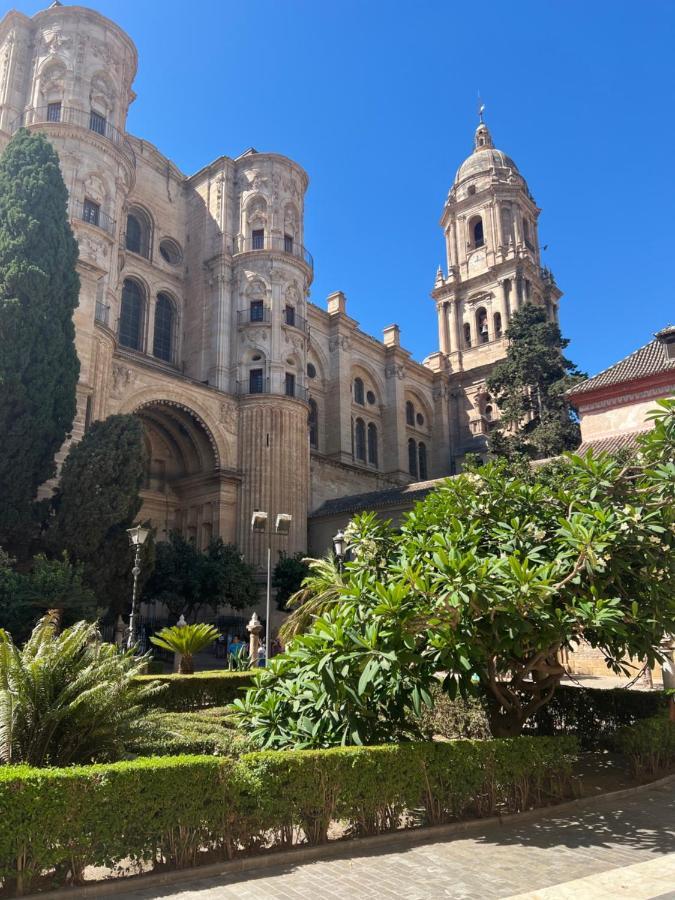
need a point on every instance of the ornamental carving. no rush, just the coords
(123, 377)
(394, 370)
(339, 342)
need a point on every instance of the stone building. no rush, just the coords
(614, 405)
(194, 310)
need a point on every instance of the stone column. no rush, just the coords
(219, 286)
(517, 232)
(150, 324)
(498, 215)
(506, 311)
(517, 292)
(456, 331)
(443, 330)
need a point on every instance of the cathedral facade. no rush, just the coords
(194, 312)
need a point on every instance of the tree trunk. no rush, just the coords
(187, 666)
(504, 724)
(56, 616)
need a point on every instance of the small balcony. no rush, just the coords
(276, 245)
(263, 386)
(254, 316)
(56, 114)
(291, 319)
(92, 214)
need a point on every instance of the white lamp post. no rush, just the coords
(137, 537)
(339, 548)
(282, 526)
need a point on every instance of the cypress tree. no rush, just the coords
(39, 289)
(97, 499)
(529, 388)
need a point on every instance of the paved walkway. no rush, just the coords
(607, 848)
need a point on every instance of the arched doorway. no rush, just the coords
(182, 489)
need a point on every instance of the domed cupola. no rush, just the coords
(486, 160)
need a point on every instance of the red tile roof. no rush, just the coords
(611, 444)
(652, 359)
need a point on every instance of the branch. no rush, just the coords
(575, 571)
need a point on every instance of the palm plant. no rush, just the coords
(320, 590)
(68, 698)
(186, 640)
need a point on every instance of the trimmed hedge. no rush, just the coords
(176, 811)
(186, 693)
(594, 713)
(178, 733)
(649, 745)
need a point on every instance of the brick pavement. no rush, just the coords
(601, 845)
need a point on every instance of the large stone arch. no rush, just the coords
(185, 489)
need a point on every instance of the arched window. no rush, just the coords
(313, 422)
(477, 237)
(359, 393)
(467, 334)
(360, 439)
(498, 325)
(138, 233)
(482, 326)
(422, 453)
(132, 313)
(488, 412)
(372, 444)
(409, 413)
(162, 346)
(412, 457)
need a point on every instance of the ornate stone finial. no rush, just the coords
(482, 139)
(439, 278)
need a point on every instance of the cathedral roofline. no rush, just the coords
(247, 156)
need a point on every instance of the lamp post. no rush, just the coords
(137, 537)
(339, 548)
(259, 526)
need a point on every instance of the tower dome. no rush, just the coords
(486, 159)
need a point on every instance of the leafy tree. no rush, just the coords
(227, 578)
(39, 290)
(288, 576)
(184, 578)
(491, 577)
(529, 388)
(176, 579)
(360, 675)
(99, 487)
(186, 640)
(68, 698)
(370, 541)
(50, 584)
(319, 592)
(510, 570)
(97, 499)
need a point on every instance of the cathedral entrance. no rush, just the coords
(182, 490)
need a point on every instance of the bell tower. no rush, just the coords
(493, 268)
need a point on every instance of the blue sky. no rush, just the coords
(377, 101)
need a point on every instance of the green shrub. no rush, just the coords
(68, 697)
(201, 732)
(174, 810)
(649, 745)
(594, 713)
(455, 719)
(185, 693)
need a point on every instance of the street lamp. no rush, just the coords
(137, 537)
(339, 548)
(282, 526)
